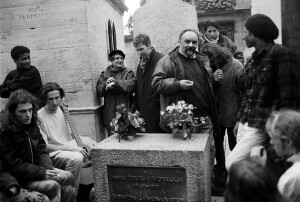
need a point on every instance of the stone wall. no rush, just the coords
(163, 21)
(291, 26)
(69, 45)
(270, 8)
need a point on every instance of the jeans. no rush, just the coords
(247, 138)
(69, 161)
(60, 188)
(219, 141)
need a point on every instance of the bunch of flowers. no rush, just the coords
(126, 122)
(179, 116)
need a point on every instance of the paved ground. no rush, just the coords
(217, 199)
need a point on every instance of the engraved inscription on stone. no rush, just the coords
(165, 184)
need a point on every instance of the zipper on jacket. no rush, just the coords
(30, 148)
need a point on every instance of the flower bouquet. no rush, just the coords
(179, 117)
(125, 123)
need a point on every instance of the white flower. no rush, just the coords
(191, 106)
(179, 108)
(162, 113)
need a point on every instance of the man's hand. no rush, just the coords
(14, 190)
(235, 129)
(186, 84)
(82, 151)
(110, 79)
(51, 174)
(218, 75)
(110, 85)
(259, 155)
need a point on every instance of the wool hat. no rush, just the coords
(262, 27)
(115, 52)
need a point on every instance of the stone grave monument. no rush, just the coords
(152, 167)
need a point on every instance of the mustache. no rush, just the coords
(191, 48)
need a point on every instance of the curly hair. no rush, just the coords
(51, 86)
(285, 123)
(19, 97)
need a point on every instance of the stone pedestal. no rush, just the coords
(146, 153)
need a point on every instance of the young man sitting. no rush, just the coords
(23, 151)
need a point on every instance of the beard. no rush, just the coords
(190, 51)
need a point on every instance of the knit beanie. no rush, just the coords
(262, 27)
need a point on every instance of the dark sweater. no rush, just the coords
(27, 79)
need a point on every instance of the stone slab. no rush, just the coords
(163, 21)
(158, 150)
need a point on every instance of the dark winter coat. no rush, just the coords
(167, 75)
(23, 153)
(147, 100)
(122, 93)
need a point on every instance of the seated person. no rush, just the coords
(117, 85)
(64, 151)
(283, 128)
(23, 151)
(250, 182)
(11, 191)
(25, 77)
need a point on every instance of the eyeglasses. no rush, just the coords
(118, 58)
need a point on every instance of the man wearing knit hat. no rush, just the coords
(269, 83)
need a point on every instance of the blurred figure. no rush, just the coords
(284, 130)
(117, 85)
(250, 182)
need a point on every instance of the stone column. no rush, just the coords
(290, 25)
(163, 21)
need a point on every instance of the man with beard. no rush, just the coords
(181, 75)
(25, 77)
(147, 101)
(271, 82)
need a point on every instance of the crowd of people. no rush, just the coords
(255, 103)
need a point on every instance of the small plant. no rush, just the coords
(125, 123)
(180, 117)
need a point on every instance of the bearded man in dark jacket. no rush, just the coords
(181, 75)
(147, 100)
(23, 151)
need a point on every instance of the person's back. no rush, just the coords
(25, 77)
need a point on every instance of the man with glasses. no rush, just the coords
(116, 85)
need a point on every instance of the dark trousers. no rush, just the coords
(219, 141)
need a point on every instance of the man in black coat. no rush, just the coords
(147, 100)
